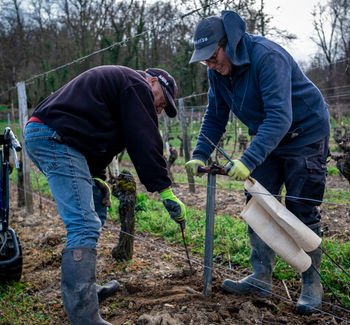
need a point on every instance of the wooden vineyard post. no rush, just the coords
(23, 118)
(190, 178)
(21, 202)
(192, 112)
(125, 191)
(166, 137)
(235, 143)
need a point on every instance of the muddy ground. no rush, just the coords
(156, 288)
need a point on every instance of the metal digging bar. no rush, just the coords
(186, 249)
(212, 171)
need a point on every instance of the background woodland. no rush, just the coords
(67, 37)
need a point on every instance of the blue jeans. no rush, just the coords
(303, 171)
(77, 197)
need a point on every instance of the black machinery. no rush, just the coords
(10, 248)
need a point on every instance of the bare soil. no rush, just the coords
(156, 287)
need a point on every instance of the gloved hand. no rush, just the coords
(175, 207)
(192, 167)
(238, 171)
(103, 186)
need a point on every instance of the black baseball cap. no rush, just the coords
(169, 87)
(207, 34)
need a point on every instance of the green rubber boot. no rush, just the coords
(107, 290)
(262, 258)
(310, 300)
(78, 286)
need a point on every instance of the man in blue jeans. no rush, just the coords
(263, 86)
(72, 136)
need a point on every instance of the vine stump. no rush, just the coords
(125, 190)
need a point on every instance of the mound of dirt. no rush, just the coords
(156, 287)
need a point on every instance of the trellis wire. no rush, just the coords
(118, 43)
(181, 254)
(164, 247)
(266, 194)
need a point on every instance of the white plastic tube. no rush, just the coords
(301, 234)
(275, 236)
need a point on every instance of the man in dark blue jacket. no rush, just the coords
(72, 136)
(263, 86)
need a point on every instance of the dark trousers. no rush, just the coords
(303, 172)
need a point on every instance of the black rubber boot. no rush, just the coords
(312, 290)
(78, 286)
(262, 258)
(107, 290)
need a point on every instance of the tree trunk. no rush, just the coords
(125, 191)
(170, 162)
(185, 141)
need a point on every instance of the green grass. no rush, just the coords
(39, 182)
(221, 182)
(332, 170)
(19, 306)
(337, 197)
(16, 130)
(152, 217)
(231, 245)
(231, 242)
(345, 120)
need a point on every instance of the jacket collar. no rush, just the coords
(237, 49)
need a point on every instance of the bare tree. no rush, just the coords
(40, 35)
(344, 34)
(329, 22)
(13, 40)
(342, 9)
(325, 20)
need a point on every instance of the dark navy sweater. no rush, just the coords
(268, 92)
(104, 110)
